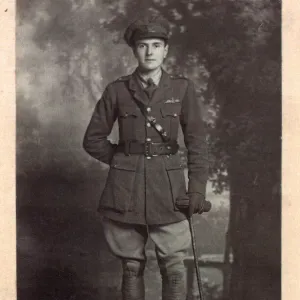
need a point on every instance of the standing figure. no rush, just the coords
(146, 175)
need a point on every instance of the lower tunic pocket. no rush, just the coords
(176, 177)
(118, 191)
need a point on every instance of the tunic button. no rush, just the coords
(148, 139)
(148, 124)
(148, 157)
(175, 115)
(148, 109)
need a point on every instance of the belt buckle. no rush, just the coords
(148, 149)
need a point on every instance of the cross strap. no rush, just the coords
(157, 127)
(152, 120)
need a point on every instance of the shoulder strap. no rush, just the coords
(123, 78)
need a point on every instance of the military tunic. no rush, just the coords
(139, 189)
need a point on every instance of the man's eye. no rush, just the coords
(141, 46)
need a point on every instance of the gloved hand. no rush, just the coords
(196, 204)
(193, 203)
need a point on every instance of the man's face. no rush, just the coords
(150, 53)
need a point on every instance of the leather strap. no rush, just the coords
(148, 148)
(152, 120)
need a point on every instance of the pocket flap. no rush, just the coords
(123, 162)
(173, 162)
(127, 111)
(172, 110)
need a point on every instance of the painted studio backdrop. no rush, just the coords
(67, 51)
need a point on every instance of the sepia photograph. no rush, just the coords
(148, 149)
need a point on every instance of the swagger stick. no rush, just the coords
(183, 204)
(199, 282)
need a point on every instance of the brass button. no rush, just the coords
(148, 139)
(148, 124)
(175, 115)
(148, 157)
(148, 109)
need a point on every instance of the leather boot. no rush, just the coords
(133, 287)
(173, 286)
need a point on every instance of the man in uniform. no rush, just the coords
(146, 175)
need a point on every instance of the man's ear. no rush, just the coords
(166, 50)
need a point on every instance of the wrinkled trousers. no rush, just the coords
(128, 241)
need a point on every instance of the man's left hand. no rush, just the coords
(196, 204)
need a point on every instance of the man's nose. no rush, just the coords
(149, 50)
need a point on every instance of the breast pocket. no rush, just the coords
(171, 114)
(127, 122)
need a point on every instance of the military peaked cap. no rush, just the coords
(151, 26)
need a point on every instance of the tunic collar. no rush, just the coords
(155, 77)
